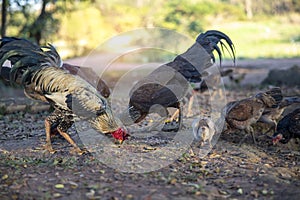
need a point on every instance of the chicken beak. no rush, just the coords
(276, 139)
(119, 141)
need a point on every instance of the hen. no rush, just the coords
(37, 70)
(288, 128)
(167, 85)
(242, 114)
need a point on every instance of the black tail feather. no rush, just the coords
(25, 58)
(210, 39)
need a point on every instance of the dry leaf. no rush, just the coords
(254, 193)
(4, 177)
(56, 195)
(59, 186)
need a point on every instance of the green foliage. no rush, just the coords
(82, 29)
(39, 25)
(191, 17)
(266, 38)
(77, 27)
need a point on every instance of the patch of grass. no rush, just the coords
(276, 38)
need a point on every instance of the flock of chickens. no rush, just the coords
(76, 93)
(266, 107)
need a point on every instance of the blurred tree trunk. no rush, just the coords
(37, 27)
(3, 18)
(248, 8)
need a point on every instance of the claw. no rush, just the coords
(49, 148)
(78, 151)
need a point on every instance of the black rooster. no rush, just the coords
(288, 127)
(168, 84)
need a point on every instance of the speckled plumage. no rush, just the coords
(240, 115)
(38, 71)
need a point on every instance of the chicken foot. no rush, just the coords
(64, 124)
(249, 131)
(71, 141)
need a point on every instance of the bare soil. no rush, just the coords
(229, 171)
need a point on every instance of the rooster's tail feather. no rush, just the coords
(25, 58)
(209, 41)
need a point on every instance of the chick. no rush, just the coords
(204, 130)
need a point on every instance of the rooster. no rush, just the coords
(240, 115)
(37, 70)
(288, 128)
(167, 85)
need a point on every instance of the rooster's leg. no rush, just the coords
(71, 141)
(175, 114)
(252, 134)
(169, 126)
(271, 122)
(48, 145)
(249, 131)
(49, 122)
(180, 116)
(62, 128)
(190, 105)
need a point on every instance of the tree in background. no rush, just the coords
(37, 20)
(78, 26)
(3, 17)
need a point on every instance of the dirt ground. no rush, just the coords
(228, 171)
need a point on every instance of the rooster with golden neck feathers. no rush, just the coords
(37, 70)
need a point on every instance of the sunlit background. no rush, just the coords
(258, 28)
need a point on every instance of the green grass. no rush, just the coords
(275, 38)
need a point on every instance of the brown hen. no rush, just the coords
(240, 115)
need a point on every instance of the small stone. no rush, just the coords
(264, 192)
(240, 191)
